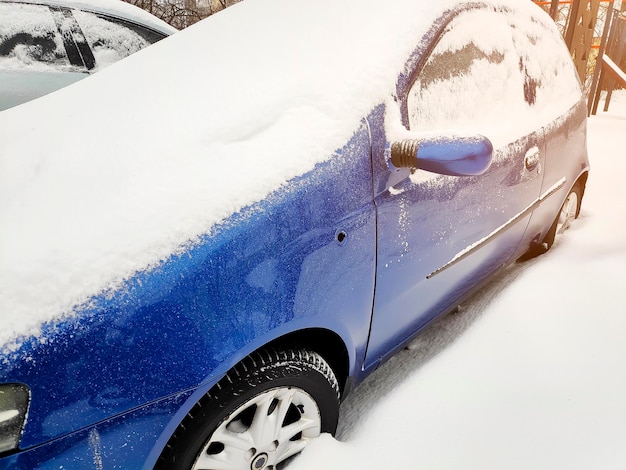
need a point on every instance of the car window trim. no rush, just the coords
(81, 41)
(60, 15)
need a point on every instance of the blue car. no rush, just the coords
(250, 216)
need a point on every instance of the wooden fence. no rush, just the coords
(595, 33)
(608, 72)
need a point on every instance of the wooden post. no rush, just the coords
(594, 93)
(554, 9)
(615, 74)
(579, 35)
(571, 24)
(608, 68)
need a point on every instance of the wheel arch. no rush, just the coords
(582, 180)
(326, 343)
(544, 240)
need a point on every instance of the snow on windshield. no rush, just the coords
(112, 175)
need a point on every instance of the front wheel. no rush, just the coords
(261, 414)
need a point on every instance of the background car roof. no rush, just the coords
(114, 8)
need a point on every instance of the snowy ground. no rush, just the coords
(531, 374)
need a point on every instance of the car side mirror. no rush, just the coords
(446, 155)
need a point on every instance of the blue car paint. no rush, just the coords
(129, 349)
(307, 257)
(121, 443)
(566, 144)
(185, 323)
(444, 155)
(448, 156)
(422, 226)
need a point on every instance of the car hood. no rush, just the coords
(113, 175)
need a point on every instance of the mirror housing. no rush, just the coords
(446, 155)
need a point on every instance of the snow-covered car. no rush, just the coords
(198, 266)
(49, 44)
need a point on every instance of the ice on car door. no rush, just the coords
(470, 83)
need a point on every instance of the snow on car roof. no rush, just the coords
(114, 174)
(115, 8)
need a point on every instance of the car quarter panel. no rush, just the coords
(302, 258)
(555, 96)
(566, 161)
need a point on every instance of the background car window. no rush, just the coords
(29, 39)
(112, 40)
(471, 81)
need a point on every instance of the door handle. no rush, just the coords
(532, 158)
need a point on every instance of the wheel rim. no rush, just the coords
(568, 213)
(263, 432)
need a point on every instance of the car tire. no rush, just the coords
(567, 214)
(261, 414)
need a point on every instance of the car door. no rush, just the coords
(440, 236)
(558, 105)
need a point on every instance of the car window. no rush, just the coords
(504, 84)
(471, 80)
(111, 39)
(550, 80)
(29, 39)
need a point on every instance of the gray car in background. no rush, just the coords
(48, 44)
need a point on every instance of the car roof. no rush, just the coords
(114, 8)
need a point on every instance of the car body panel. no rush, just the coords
(20, 86)
(350, 247)
(276, 265)
(565, 141)
(418, 237)
(122, 442)
(436, 233)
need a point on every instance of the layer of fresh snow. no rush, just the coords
(112, 175)
(529, 374)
